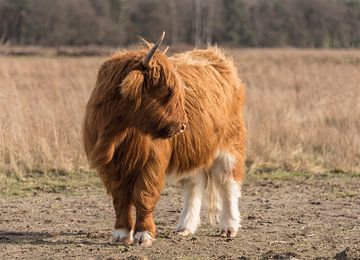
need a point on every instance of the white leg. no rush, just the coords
(190, 215)
(229, 192)
(229, 221)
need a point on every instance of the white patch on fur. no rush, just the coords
(193, 195)
(224, 163)
(142, 236)
(119, 235)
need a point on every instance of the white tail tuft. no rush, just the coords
(212, 199)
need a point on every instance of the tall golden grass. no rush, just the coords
(303, 110)
(42, 103)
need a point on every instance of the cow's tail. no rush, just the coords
(212, 198)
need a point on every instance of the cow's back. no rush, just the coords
(213, 102)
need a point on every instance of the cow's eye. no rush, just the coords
(166, 95)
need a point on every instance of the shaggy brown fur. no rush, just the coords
(134, 116)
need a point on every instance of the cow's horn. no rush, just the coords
(166, 49)
(149, 55)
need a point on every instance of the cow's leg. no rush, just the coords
(227, 173)
(124, 224)
(229, 217)
(146, 194)
(121, 195)
(193, 195)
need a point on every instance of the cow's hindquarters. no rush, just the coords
(218, 186)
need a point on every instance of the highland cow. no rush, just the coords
(152, 117)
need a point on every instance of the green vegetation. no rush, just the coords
(77, 182)
(54, 182)
(290, 176)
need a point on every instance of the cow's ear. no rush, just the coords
(131, 86)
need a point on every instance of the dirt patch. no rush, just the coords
(283, 217)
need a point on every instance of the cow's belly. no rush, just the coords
(173, 176)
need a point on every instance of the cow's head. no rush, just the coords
(154, 94)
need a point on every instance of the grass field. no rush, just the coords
(302, 110)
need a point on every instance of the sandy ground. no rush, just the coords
(306, 216)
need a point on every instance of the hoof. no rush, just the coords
(123, 236)
(183, 232)
(143, 238)
(228, 233)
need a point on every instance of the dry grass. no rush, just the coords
(303, 110)
(42, 103)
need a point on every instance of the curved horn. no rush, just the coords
(165, 51)
(146, 60)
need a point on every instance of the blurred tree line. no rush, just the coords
(255, 23)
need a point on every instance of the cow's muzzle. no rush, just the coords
(171, 130)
